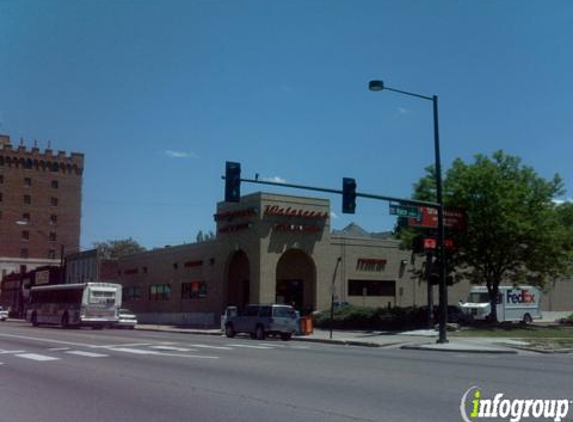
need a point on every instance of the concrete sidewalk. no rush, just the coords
(410, 340)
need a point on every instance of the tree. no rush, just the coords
(514, 229)
(204, 237)
(116, 248)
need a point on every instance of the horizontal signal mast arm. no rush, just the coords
(414, 202)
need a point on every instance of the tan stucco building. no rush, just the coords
(277, 248)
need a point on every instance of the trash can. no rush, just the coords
(306, 327)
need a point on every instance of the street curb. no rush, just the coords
(476, 351)
(301, 339)
(544, 352)
(341, 342)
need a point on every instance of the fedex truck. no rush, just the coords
(514, 303)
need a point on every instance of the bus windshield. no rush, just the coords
(106, 297)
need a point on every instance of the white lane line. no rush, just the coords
(177, 355)
(172, 348)
(111, 346)
(47, 340)
(250, 347)
(74, 344)
(58, 349)
(153, 352)
(37, 357)
(207, 346)
(134, 351)
(4, 352)
(87, 354)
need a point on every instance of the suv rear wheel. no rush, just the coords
(65, 320)
(229, 331)
(260, 332)
(286, 336)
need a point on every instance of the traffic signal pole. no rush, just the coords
(441, 231)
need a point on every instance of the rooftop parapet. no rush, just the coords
(7, 150)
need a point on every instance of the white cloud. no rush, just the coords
(562, 201)
(403, 110)
(274, 179)
(180, 154)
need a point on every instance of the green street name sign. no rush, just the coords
(404, 211)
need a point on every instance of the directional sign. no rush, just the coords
(454, 219)
(404, 211)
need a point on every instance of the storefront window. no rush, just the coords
(371, 288)
(160, 292)
(193, 290)
(131, 293)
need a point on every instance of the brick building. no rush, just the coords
(40, 205)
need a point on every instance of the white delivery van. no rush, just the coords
(514, 303)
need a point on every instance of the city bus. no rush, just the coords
(93, 305)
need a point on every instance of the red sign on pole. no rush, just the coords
(454, 219)
(430, 243)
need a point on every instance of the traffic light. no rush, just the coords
(348, 195)
(232, 182)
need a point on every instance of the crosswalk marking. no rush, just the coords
(37, 357)
(87, 354)
(58, 349)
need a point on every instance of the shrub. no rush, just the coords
(568, 320)
(362, 318)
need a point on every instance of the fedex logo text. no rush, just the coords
(520, 296)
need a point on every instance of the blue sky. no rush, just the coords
(159, 94)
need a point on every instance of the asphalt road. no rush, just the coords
(52, 374)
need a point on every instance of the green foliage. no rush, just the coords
(567, 321)
(204, 237)
(363, 318)
(515, 232)
(115, 248)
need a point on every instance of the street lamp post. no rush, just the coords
(379, 86)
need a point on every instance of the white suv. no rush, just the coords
(262, 320)
(3, 314)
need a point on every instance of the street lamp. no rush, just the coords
(379, 86)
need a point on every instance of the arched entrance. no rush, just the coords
(238, 280)
(296, 280)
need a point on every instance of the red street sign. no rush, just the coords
(454, 219)
(430, 243)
